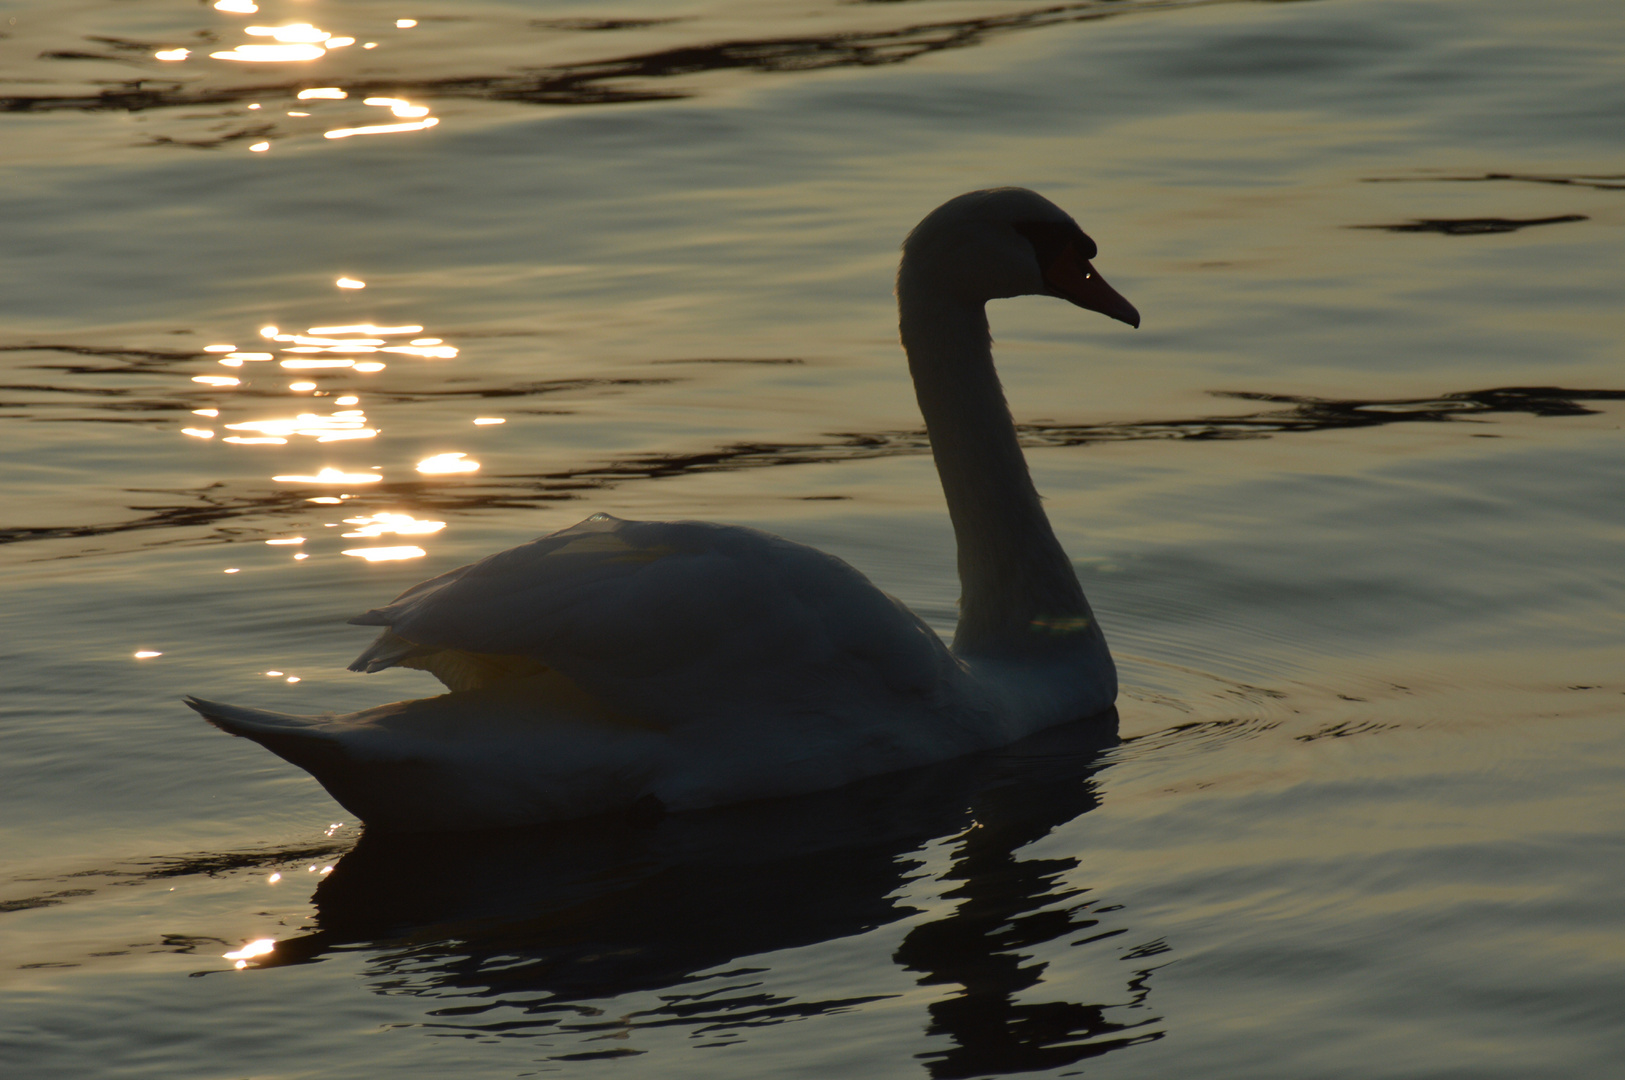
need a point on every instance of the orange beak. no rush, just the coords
(1074, 279)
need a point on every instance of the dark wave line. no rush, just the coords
(140, 356)
(211, 506)
(1471, 226)
(598, 82)
(1607, 182)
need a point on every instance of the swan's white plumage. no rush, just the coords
(695, 664)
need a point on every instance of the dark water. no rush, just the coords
(1349, 507)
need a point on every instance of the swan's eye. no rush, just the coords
(1051, 238)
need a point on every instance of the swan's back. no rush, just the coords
(676, 623)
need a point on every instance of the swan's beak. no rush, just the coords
(1074, 279)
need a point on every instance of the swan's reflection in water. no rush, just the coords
(524, 929)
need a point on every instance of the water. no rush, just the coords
(1348, 507)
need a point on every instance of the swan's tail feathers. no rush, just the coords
(306, 741)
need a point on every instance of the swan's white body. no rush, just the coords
(615, 663)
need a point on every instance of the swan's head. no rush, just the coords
(985, 245)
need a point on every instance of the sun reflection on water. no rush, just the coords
(292, 33)
(325, 349)
(252, 950)
(399, 106)
(328, 353)
(386, 554)
(391, 522)
(382, 129)
(303, 43)
(295, 43)
(271, 54)
(340, 424)
(448, 463)
(330, 476)
(360, 328)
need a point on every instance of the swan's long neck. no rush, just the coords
(1019, 596)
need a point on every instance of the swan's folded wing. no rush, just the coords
(673, 620)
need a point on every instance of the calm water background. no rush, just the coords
(1365, 817)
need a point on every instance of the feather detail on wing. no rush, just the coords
(666, 621)
(458, 669)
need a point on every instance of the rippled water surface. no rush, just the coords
(1349, 507)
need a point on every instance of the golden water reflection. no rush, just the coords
(330, 476)
(358, 328)
(326, 349)
(294, 33)
(329, 352)
(400, 107)
(271, 54)
(301, 43)
(386, 554)
(390, 522)
(382, 129)
(252, 950)
(448, 463)
(295, 43)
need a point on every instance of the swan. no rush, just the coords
(619, 665)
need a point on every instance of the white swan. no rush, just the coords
(685, 664)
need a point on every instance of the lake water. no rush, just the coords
(1349, 507)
